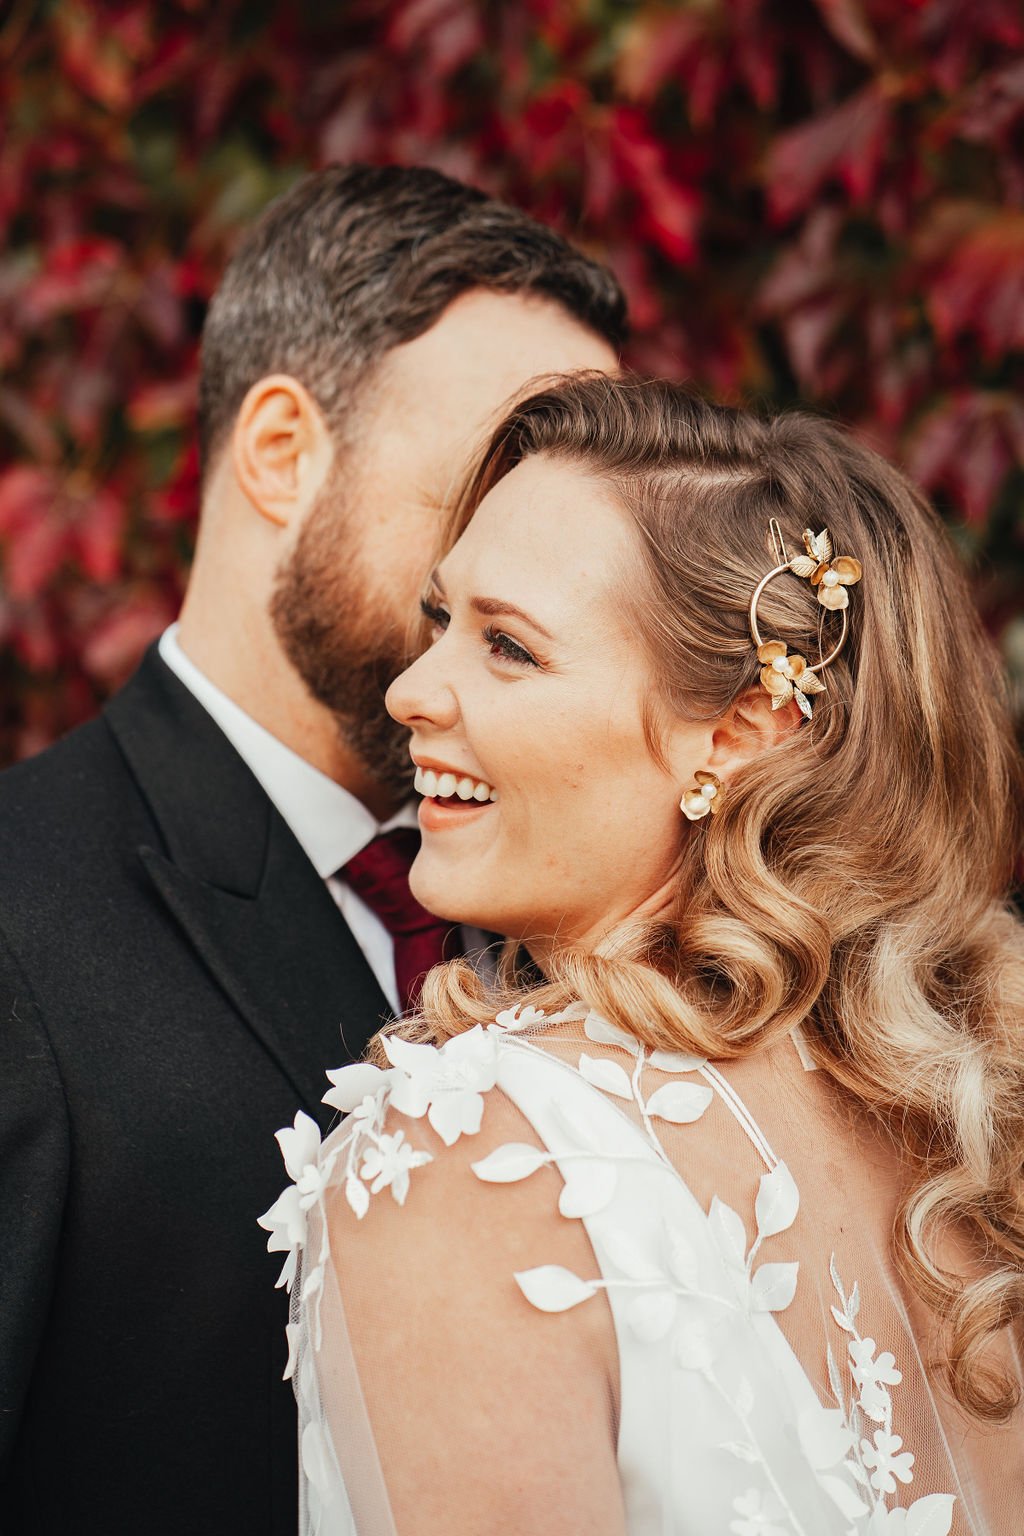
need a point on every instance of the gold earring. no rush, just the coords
(705, 796)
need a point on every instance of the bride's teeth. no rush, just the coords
(443, 786)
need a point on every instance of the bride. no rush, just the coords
(708, 1218)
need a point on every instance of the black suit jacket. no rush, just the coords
(174, 980)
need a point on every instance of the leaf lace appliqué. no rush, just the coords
(852, 1449)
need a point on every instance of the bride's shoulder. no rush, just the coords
(422, 1124)
(392, 1217)
(413, 1157)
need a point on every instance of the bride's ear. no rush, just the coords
(749, 728)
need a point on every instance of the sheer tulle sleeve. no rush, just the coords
(430, 1401)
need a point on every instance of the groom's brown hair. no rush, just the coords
(354, 260)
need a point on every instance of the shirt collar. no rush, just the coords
(329, 823)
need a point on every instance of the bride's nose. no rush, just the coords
(423, 693)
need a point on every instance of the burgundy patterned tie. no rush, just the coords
(379, 874)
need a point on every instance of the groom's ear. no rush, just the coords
(281, 449)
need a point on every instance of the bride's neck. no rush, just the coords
(543, 949)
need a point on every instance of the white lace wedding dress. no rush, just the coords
(543, 1268)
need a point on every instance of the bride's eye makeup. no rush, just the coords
(507, 649)
(500, 645)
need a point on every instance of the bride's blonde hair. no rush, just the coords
(856, 878)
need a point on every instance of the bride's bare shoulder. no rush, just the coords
(426, 1268)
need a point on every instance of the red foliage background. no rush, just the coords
(817, 200)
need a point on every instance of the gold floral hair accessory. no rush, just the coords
(787, 676)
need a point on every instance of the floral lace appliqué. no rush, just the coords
(852, 1448)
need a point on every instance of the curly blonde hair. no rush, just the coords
(856, 879)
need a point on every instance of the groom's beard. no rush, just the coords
(342, 641)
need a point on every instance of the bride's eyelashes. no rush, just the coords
(438, 618)
(501, 646)
(504, 646)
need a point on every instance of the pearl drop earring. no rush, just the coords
(706, 795)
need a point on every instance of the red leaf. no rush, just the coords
(21, 416)
(78, 273)
(669, 208)
(980, 287)
(98, 526)
(758, 62)
(448, 31)
(92, 55)
(652, 50)
(992, 108)
(34, 556)
(632, 268)
(808, 331)
(846, 21)
(968, 445)
(843, 145)
(158, 305)
(27, 493)
(115, 647)
(551, 126)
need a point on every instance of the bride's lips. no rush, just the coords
(442, 815)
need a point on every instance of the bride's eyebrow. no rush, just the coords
(492, 607)
(496, 607)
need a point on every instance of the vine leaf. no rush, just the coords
(607, 1075)
(681, 1103)
(509, 1163)
(551, 1288)
(773, 1287)
(778, 1201)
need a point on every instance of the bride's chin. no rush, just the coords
(436, 892)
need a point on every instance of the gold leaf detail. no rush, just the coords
(819, 545)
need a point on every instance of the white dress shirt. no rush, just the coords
(330, 824)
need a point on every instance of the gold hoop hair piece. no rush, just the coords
(787, 676)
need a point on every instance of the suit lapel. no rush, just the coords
(242, 889)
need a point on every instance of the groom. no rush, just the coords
(202, 893)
